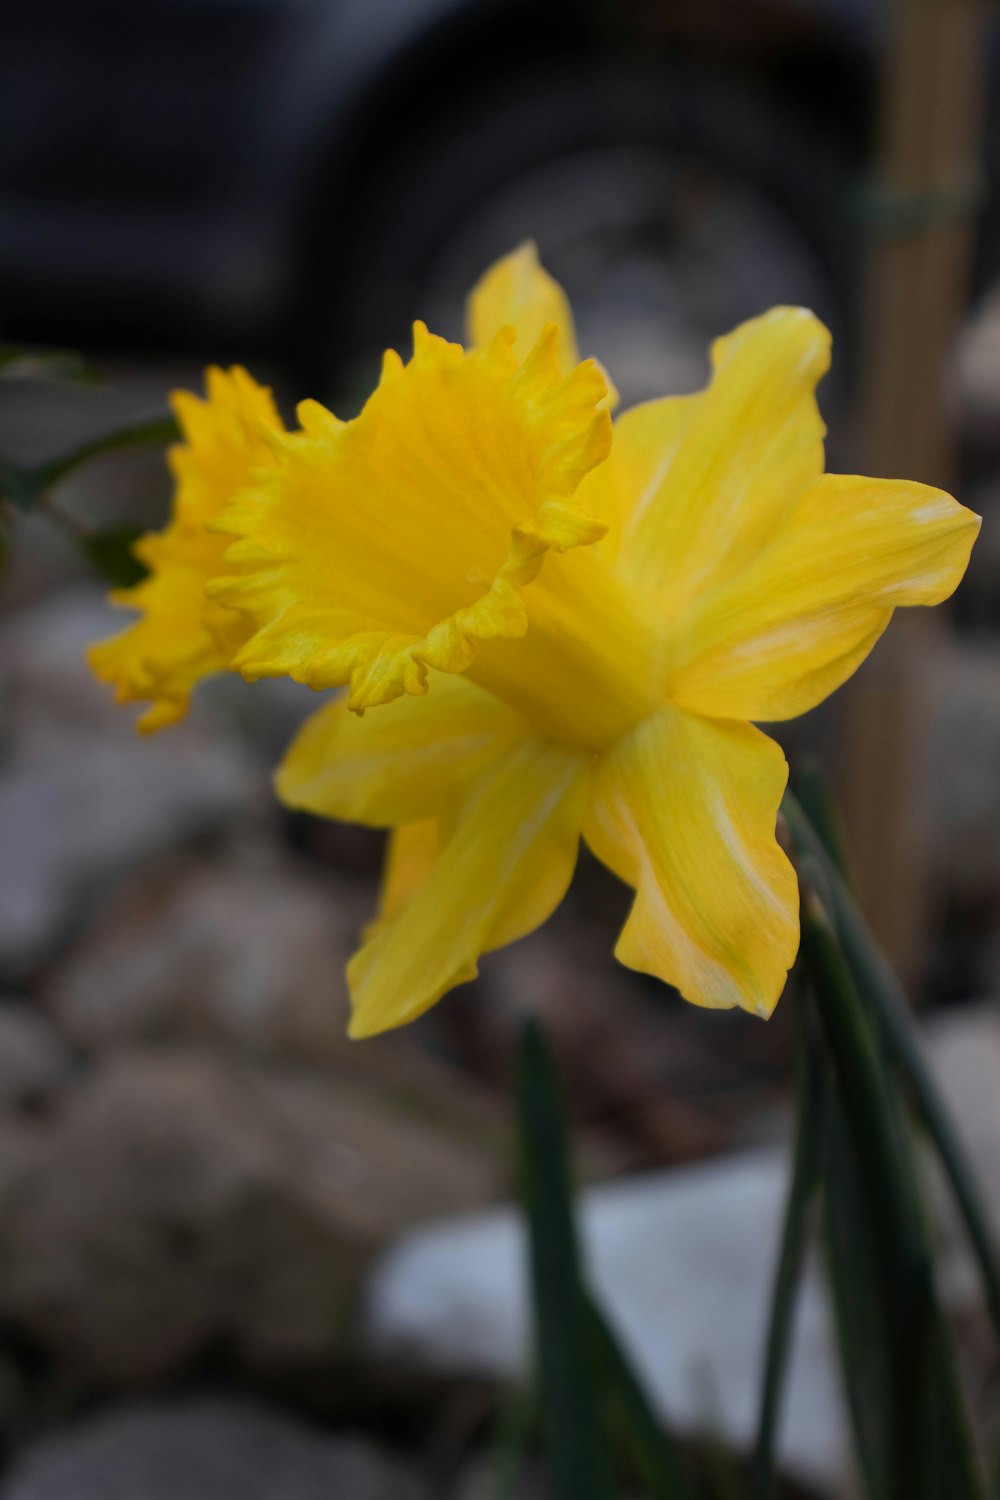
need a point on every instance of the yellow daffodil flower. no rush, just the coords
(561, 636)
(184, 636)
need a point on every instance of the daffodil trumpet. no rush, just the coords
(548, 627)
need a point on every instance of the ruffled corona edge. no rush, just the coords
(315, 623)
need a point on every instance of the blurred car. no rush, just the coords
(298, 178)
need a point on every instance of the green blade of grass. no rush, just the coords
(575, 1438)
(856, 1291)
(886, 997)
(510, 1441)
(151, 433)
(930, 1440)
(811, 1113)
(60, 365)
(110, 554)
(814, 801)
(651, 1445)
(25, 488)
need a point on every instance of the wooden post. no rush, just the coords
(922, 214)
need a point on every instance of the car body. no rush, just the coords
(294, 176)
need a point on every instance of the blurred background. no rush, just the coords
(239, 1256)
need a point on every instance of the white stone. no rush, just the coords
(83, 799)
(963, 1052)
(682, 1261)
(204, 1448)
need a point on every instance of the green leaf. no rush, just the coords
(814, 801)
(856, 1289)
(110, 554)
(721, 1476)
(510, 1441)
(807, 1161)
(155, 432)
(17, 485)
(65, 365)
(26, 487)
(887, 1001)
(576, 1442)
(930, 1444)
(651, 1445)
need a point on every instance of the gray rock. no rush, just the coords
(34, 1063)
(83, 799)
(963, 1050)
(177, 1201)
(683, 1262)
(205, 1449)
(977, 363)
(962, 689)
(478, 1481)
(245, 948)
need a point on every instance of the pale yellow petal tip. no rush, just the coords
(517, 292)
(730, 996)
(162, 714)
(968, 525)
(518, 296)
(613, 398)
(790, 329)
(371, 1015)
(361, 1028)
(764, 1004)
(362, 1024)
(502, 289)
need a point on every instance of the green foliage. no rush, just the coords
(859, 1064)
(110, 554)
(26, 488)
(810, 1135)
(510, 1441)
(856, 1289)
(888, 1006)
(910, 1422)
(65, 365)
(578, 1452)
(929, 1444)
(647, 1439)
(584, 1378)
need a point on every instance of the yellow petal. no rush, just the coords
(412, 851)
(700, 482)
(518, 292)
(807, 609)
(407, 761)
(590, 665)
(684, 810)
(378, 548)
(183, 637)
(409, 858)
(503, 867)
(619, 491)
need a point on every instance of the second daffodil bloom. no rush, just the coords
(182, 636)
(552, 634)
